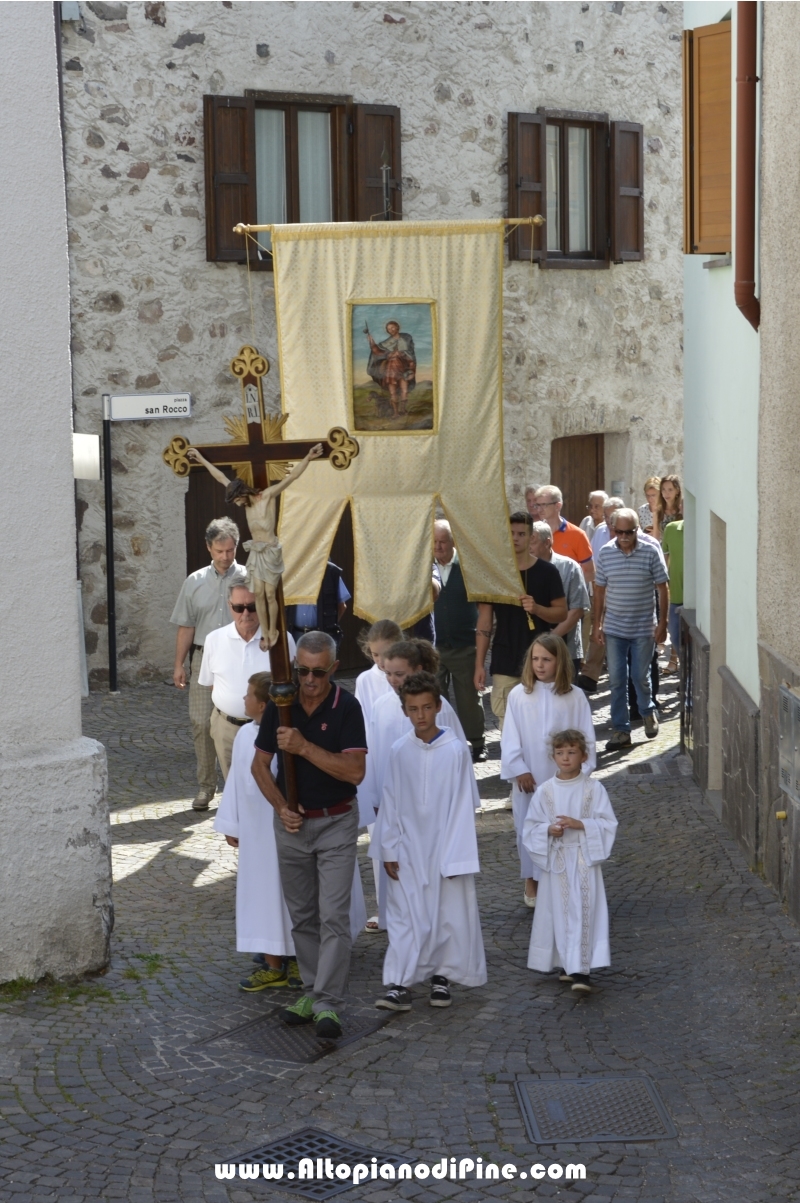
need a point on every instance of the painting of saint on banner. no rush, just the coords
(393, 348)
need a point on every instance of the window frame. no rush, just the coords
(340, 110)
(597, 257)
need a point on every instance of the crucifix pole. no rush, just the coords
(259, 455)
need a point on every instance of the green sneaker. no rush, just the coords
(293, 974)
(300, 1012)
(260, 979)
(327, 1025)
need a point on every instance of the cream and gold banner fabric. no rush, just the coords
(393, 331)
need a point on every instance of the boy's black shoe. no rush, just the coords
(563, 976)
(581, 983)
(440, 991)
(396, 998)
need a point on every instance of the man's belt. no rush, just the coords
(329, 811)
(197, 647)
(237, 722)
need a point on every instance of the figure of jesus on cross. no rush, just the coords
(265, 558)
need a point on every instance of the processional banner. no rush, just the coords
(394, 331)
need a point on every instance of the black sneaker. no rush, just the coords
(563, 976)
(479, 753)
(396, 998)
(586, 683)
(440, 991)
(581, 983)
(327, 1025)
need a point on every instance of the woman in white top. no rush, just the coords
(374, 643)
(545, 702)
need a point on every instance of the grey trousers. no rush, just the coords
(458, 665)
(317, 865)
(200, 707)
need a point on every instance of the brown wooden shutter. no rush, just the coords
(627, 191)
(376, 129)
(229, 124)
(527, 173)
(710, 184)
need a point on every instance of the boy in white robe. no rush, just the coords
(425, 836)
(568, 831)
(263, 925)
(545, 702)
(387, 724)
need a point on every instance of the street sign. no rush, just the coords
(145, 407)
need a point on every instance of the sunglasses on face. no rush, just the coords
(626, 530)
(240, 607)
(302, 671)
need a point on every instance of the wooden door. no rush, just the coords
(351, 659)
(204, 501)
(577, 467)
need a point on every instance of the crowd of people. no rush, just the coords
(396, 758)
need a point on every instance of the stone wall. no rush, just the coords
(585, 351)
(740, 765)
(780, 840)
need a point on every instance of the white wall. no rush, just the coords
(55, 884)
(721, 389)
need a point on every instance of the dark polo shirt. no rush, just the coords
(337, 725)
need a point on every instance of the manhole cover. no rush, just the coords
(283, 1158)
(603, 1108)
(639, 768)
(276, 1041)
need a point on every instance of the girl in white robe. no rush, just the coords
(569, 831)
(387, 724)
(263, 924)
(426, 832)
(545, 702)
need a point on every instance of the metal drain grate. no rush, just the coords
(603, 1108)
(636, 769)
(276, 1041)
(318, 1145)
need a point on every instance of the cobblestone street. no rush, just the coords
(106, 1093)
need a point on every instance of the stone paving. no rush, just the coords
(105, 1093)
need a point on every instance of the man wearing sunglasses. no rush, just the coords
(231, 655)
(629, 573)
(317, 846)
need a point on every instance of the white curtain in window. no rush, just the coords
(314, 165)
(270, 170)
(579, 204)
(553, 189)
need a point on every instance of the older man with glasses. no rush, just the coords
(544, 505)
(317, 844)
(231, 655)
(629, 573)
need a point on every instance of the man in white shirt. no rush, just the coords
(589, 524)
(231, 655)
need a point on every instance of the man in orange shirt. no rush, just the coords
(544, 505)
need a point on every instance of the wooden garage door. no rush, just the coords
(577, 468)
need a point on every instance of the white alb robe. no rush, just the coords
(388, 724)
(532, 719)
(262, 919)
(371, 685)
(570, 923)
(426, 822)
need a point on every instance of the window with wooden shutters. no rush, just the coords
(526, 176)
(707, 139)
(230, 175)
(627, 191)
(377, 189)
(567, 166)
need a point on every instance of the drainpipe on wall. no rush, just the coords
(744, 286)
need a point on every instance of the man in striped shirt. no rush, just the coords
(629, 572)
